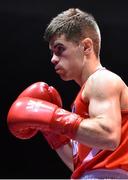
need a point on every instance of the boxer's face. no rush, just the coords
(67, 58)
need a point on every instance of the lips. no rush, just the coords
(57, 69)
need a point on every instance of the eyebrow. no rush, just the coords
(55, 45)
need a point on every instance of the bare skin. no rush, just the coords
(105, 91)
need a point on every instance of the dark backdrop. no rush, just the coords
(25, 59)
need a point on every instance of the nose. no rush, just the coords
(54, 59)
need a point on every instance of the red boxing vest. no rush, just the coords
(86, 158)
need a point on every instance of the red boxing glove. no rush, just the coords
(31, 113)
(42, 90)
(55, 140)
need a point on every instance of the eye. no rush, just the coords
(59, 50)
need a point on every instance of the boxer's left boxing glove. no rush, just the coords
(39, 90)
(31, 113)
(42, 90)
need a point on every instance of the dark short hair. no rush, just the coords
(76, 25)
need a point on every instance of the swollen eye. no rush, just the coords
(59, 50)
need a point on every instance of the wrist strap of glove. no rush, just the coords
(65, 123)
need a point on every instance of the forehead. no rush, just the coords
(57, 40)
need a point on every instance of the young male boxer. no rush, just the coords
(92, 140)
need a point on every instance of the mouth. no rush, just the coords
(57, 69)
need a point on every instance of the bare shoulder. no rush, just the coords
(104, 83)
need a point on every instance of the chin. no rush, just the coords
(65, 78)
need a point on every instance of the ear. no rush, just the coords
(88, 45)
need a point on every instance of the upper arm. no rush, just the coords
(104, 102)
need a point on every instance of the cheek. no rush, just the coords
(79, 54)
(72, 58)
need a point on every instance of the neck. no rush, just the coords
(88, 69)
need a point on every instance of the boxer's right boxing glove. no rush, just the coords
(42, 90)
(55, 140)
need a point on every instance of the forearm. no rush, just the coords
(65, 153)
(93, 133)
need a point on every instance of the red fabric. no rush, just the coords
(104, 158)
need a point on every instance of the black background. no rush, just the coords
(25, 59)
